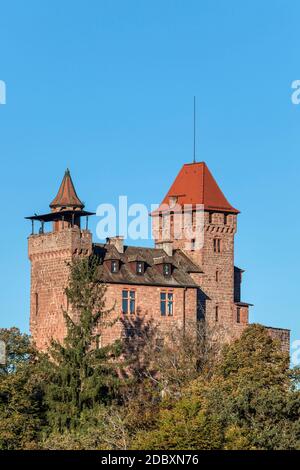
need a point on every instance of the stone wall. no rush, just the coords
(49, 254)
(216, 283)
(147, 300)
(282, 335)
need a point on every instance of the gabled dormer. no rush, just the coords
(137, 264)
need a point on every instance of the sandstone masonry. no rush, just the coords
(174, 283)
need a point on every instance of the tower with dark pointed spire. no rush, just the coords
(66, 201)
(49, 253)
(66, 197)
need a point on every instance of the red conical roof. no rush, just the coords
(66, 196)
(195, 184)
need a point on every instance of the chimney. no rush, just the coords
(166, 245)
(117, 242)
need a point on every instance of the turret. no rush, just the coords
(49, 253)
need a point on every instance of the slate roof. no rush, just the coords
(180, 277)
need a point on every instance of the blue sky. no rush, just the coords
(106, 88)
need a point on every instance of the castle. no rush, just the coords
(177, 282)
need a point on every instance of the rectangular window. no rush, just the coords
(217, 313)
(114, 266)
(170, 304)
(167, 269)
(217, 245)
(217, 276)
(36, 297)
(238, 315)
(163, 296)
(132, 301)
(166, 304)
(128, 301)
(193, 244)
(140, 267)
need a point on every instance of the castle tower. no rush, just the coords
(49, 253)
(210, 243)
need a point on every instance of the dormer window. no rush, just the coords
(115, 266)
(167, 269)
(140, 267)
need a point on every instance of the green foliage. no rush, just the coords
(21, 399)
(259, 396)
(18, 349)
(80, 374)
(183, 425)
(171, 397)
(250, 402)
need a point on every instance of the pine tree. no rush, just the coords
(81, 374)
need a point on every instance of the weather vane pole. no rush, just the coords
(194, 161)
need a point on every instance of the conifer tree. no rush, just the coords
(81, 374)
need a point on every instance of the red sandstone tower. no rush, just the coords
(49, 254)
(219, 294)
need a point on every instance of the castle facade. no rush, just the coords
(179, 281)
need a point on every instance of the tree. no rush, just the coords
(21, 397)
(260, 399)
(81, 374)
(173, 358)
(251, 401)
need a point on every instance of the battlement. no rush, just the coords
(70, 241)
